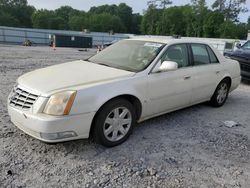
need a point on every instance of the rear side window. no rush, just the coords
(200, 54)
(213, 57)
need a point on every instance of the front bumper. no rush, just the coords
(52, 129)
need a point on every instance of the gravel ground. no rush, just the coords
(187, 148)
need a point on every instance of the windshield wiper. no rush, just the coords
(88, 60)
(103, 64)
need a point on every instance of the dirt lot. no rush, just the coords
(187, 148)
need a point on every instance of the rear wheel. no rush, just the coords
(114, 123)
(221, 94)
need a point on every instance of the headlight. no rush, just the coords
(60, 103)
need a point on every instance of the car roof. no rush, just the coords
(167, 40)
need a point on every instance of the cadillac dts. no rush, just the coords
(132, 80)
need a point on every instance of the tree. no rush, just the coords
(248, 23)
(190, 19)
(65, 12)
(172, 22)
(46, 19)
(136, 22)
(241, 31)
(231, 30)
(201, 11)
(105, 22)
(40, 19)
(16, 13)
(110, 9)
(160, 3)
(79, 22)
(212, 22)
(13, 3)
(125, 13)
(7, 19)
(230, 8)
(150, 20)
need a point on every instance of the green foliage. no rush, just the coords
(15, 13)
(7, 19)
(212, 22)
(230, 8)
(150, 20)
(79, 22)
(166, 26)
(45, 19)
(248, 23)
(192, 20)
(231, 30)
(200, 9)
(105, 22)
(111, 9)
(136, 21)
(123, 11)
(160, 3)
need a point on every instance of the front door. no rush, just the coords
(171, 90)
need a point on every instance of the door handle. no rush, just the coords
(187, 78)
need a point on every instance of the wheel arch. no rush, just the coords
(229, 79)
(135, 101)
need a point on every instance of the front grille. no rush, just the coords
(245, 67)
(22, 99)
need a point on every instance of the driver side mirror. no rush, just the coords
(167, 66)
(238, 45)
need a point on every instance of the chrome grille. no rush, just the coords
(244, 67)
(22, 99)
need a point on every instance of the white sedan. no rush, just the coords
(128, 82)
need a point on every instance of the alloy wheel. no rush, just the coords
(222, 93)
(117, 124)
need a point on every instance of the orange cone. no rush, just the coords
(98, 49)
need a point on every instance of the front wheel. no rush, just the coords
(221, 94)
(114, 123)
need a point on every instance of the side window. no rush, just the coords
(200, 54)
(213, 57)
(177, 53)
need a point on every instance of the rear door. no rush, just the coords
(207, 72)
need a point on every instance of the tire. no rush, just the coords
(221, 94)
(114, 123)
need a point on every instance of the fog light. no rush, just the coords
(57, 136)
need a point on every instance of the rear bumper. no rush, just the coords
(52, 129)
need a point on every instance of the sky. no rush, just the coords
(137, 5)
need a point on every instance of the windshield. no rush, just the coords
(246, 45)
(128, 55)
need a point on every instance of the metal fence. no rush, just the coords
(14, 35)
(220, 44)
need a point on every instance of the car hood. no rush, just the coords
(69, 75)
(245, 53)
